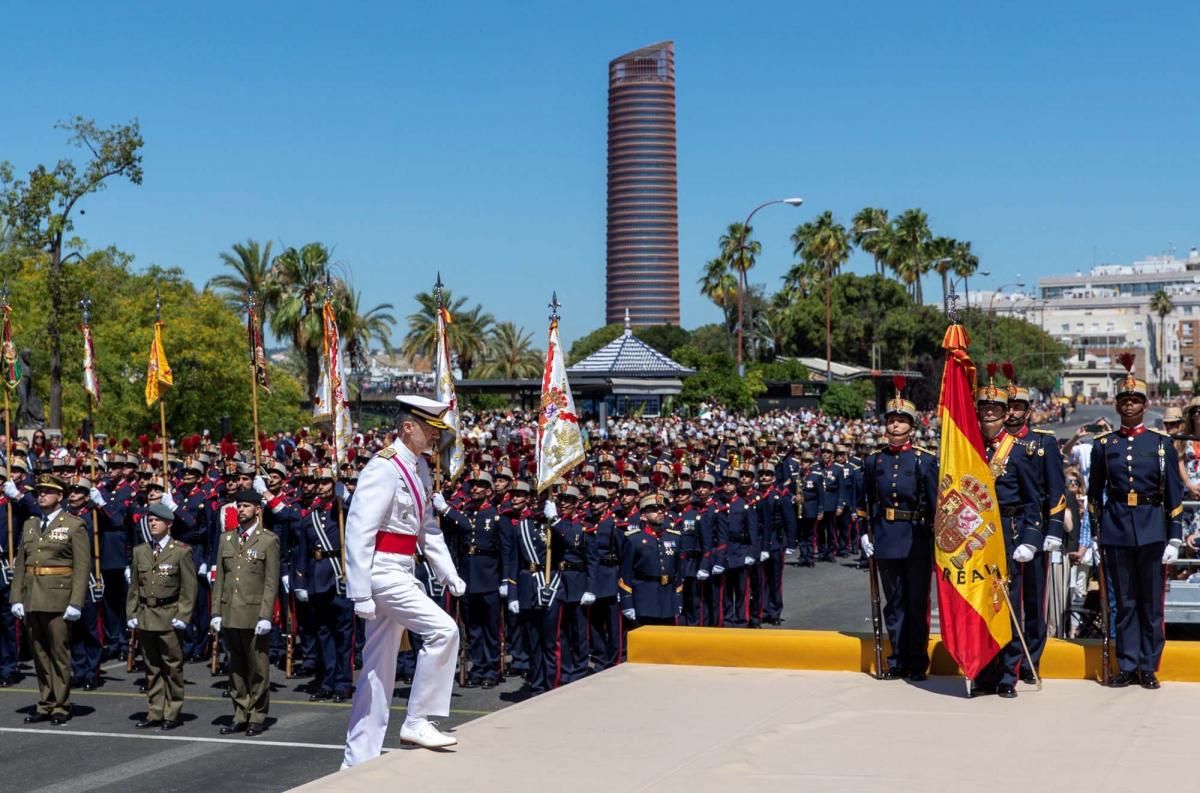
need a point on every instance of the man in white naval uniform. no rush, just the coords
(390, 514)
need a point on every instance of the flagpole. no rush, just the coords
(337, 457)
(254, 384)
(7, 430)
(86, 305)
(162, 399)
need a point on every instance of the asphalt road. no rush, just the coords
(100, 751)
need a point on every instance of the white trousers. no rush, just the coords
(400, 603)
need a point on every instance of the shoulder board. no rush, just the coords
(71, 519)
(1160, 432)
(922, 450)
(183, 546)
(1045, 432)
(1104, 434)
(633, 531)
(386, 453)
(672, 531)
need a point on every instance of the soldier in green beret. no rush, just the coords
(162, 592)
(50, 581)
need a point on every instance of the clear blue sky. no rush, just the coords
(470, 137)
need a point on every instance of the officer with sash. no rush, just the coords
(1135, 495)
(1021, 519)
(649, 582)
(530, 592)
(900, 484)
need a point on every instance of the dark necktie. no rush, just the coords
(45, 524)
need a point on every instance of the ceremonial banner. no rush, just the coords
(331, 403)
(258, 358)
(559, 441)
(12, 363)
(91, 381)
(158, 372)
(451, 443)
(969, 544)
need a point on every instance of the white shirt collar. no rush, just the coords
(250, 531)
(406, 454)
(50, 518)
(162, 544)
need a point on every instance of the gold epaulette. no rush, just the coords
(1160, 432)
(1103, 436)
(1044, 432)
(673, 531)
(633, 531)
(387, 453)
(922, 450)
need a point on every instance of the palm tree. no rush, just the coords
(873, 242)
(939, 254)
(302, 278)
(739, 253)
(719, 286)
(907, 252)
(965, 265)
(467, 330)
(251, 265)
(1160, 304)
(511, 354)
(358, 328)
(824, 241)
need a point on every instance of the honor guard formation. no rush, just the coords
(188, 553)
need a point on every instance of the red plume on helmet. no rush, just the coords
(1126, 360)
(1010, 373)
(991, 370)
(125, 444)
(227, 447)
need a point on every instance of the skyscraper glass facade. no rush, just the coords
(643, 203)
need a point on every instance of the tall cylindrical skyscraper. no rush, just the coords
(643, 202)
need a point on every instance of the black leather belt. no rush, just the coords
(1132, 498)
(156, 602)
(572, 566)
(534, 568)
(610, 561)
(321, 553)
(658, 579)
(473, 551)
(893, 514)
(1011, 511)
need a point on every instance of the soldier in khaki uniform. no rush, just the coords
(243, 600)
(162, 591)
(50, 581)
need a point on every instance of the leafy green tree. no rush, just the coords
(824, 242)
(1161, 306)
(843, 400)
(719, 286)
(302, 275)
(39, 209)
(663, 338)
(468, 330)
(358, 328)
(908, 253)
(586, 345)
(740, 252)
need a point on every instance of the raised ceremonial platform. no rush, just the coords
(675, 719)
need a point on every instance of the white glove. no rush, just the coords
(587, 599)
(629, 614)
(178, 624)
(504, 590)
(550, 510)
(287, 583)
(458, 587)
(365, 609)
(1024, 553)
(717, 569)
(203, 571)
(262, 627)
(701, 575)
(1171, 552)
(260, 485)
(168, 501)
(514, 607)
(764, 556)
(72, 614)
(1051, 544)
(18, 611)
(215, 624)
(749, 560)
(439, 504)
(96, 497)
(11, 490)
(302, 595)
(132, 624)
(128, 575)
(868, 547)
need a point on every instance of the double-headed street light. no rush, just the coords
(795, 202)
(992, 314)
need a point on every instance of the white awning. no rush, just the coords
(622, 385)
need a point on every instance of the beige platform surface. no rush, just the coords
(643, 727)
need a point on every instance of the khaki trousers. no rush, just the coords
(249, 675)
(164, 674)
(50, 639)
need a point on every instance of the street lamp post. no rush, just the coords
(964, 280)
(795, 202)
(992, 314)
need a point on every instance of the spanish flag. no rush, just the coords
(969, 543)
(158, 371)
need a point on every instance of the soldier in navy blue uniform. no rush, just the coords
(1135, 495)
(569, 560)
(852, 482)
(810, 497)
(649, 582)
(707, 580)
(195, 525)
(777, 522)
(737, 547)
(900, 494)
(604, 542)
(479, 528)
(833, 505)
(320, 582)
(87, 640)
(530, 593)
(1041, 447)
(114, 558)
(748, 490)
(691, 553)
(1021, 519)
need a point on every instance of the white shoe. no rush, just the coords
(426, 735)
